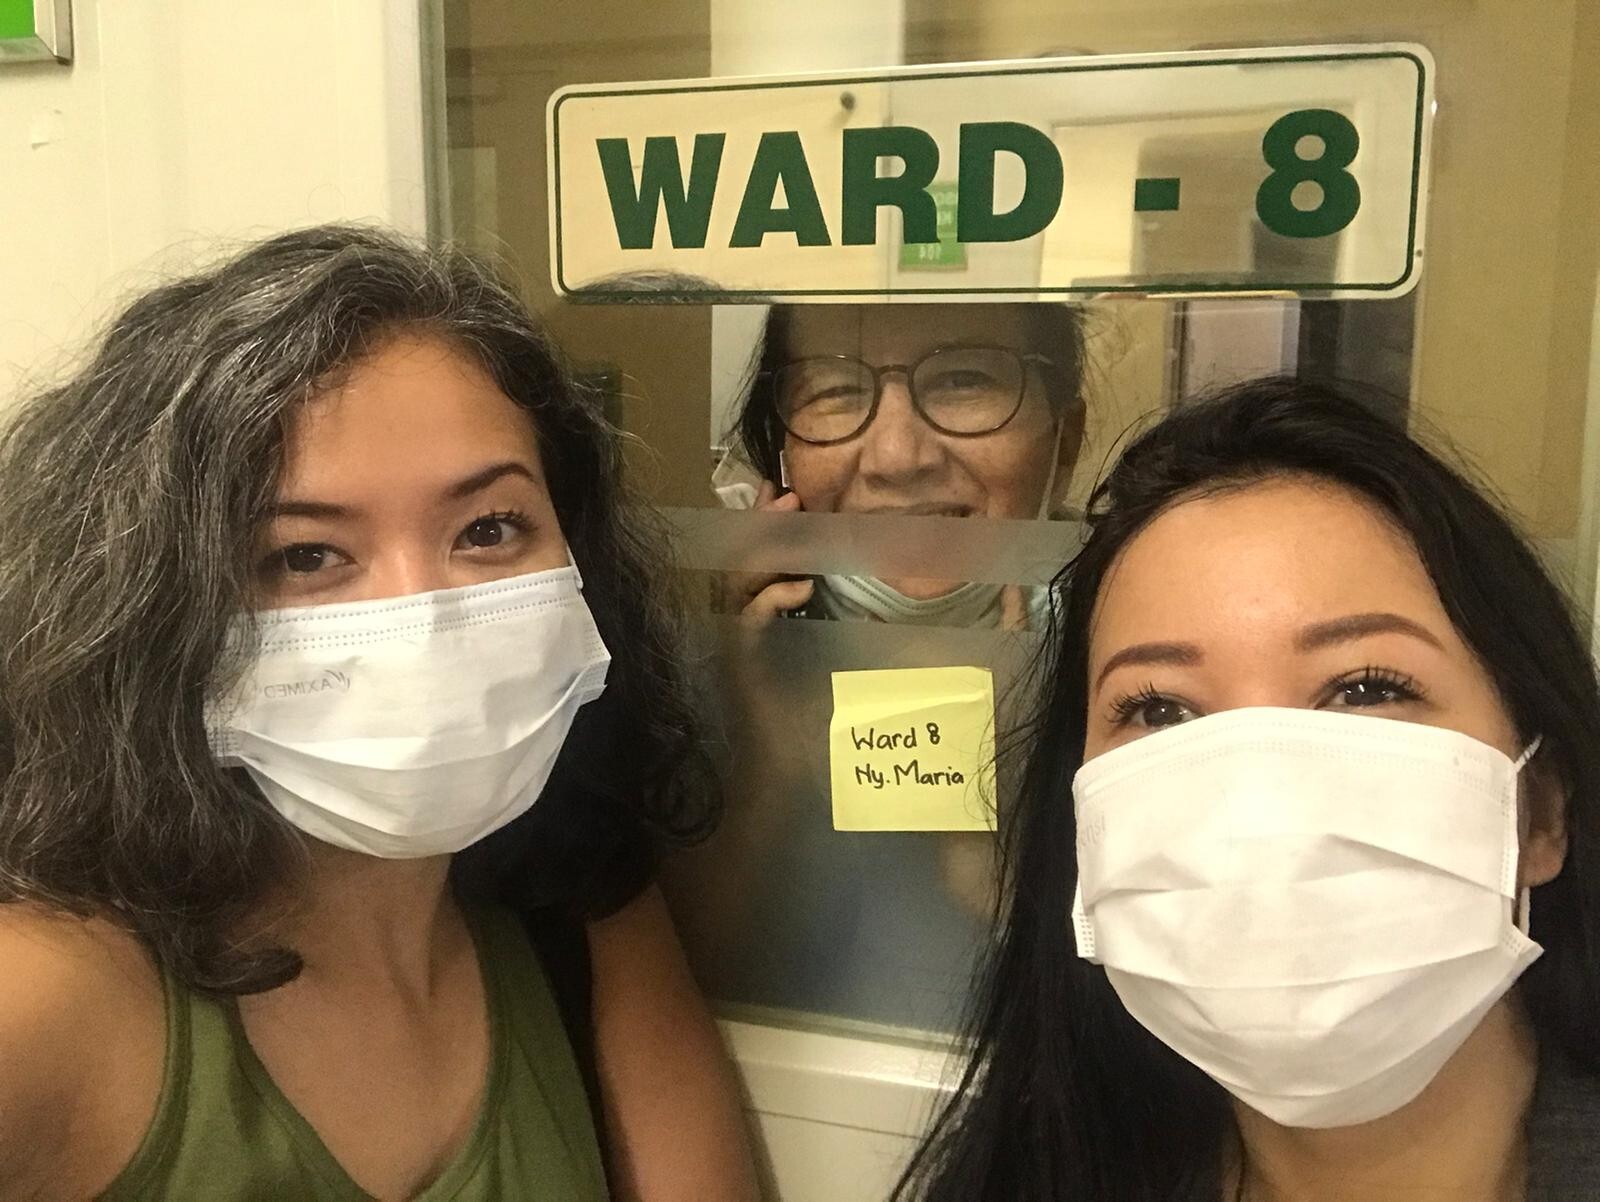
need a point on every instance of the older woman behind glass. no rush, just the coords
(292, 635)
(952, 410)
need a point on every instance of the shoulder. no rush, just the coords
(57, 967)
(67, 969)
(673, 1109)
(82, 1040)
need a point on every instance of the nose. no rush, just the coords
(898, 446)
(403, 571)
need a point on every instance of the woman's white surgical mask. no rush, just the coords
(413, 726)
(1314, 908)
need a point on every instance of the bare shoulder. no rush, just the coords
(82, 1040)
(62, 969)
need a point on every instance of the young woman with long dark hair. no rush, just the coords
(1302, 898)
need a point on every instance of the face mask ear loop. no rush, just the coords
(783, 469)
(1524, 898)
(576, 571)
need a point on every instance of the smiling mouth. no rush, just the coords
(927, 509)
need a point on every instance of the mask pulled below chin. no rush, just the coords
(973, 604)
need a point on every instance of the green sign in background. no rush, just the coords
(16, 19)
(946, 252)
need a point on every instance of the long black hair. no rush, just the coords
(130, 497)
(1054, 330)
(1066, 1098)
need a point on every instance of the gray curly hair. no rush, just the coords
(130, 498)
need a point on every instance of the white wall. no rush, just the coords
(182, 122)
(837, 1115)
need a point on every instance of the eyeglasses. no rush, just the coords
(962, 391)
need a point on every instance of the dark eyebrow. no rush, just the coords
(479, 481)
(1151, 653)
(474, 483)
(307, 509)
(1356, 626)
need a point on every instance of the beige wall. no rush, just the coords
(187, 121)
(505, 60)
(1509, 285)
(1508, 289)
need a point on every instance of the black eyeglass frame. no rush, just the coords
(1024, 359)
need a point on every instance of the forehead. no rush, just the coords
(416, 404)
(892, 333)
(1261, 561)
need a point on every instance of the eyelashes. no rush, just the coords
(294, 559)
(308, 558)
(1125, 707)
(1152, 708)
(1378, 685)
(514, 518)
(1367, 687)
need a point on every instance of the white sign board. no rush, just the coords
(1297, 171)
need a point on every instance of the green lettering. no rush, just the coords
(865, 191)
(780, 159)
(981, 141)
(1340, 197)
(633, 212)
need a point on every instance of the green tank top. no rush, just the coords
(223, 1132)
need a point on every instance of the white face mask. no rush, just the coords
(1315, 908)
(974, 605)
(414, 726)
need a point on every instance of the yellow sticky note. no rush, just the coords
(911, 749)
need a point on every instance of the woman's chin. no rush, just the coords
(920, 589)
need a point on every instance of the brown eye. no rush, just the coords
(507, 529)
(304, 558)
(1370, 687)
(1162, 712)
(1365, 692)
(485, 532)
(1149, 710)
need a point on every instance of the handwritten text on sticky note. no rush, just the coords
(911, 749)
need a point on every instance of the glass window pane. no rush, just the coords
(1494, 352)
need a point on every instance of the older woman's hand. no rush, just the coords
(758, 597)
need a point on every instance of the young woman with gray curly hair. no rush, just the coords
(293, 637)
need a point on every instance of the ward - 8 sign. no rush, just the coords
(1295, 170)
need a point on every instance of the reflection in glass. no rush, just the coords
(954, 410)
(962, 391)
(780, 910)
